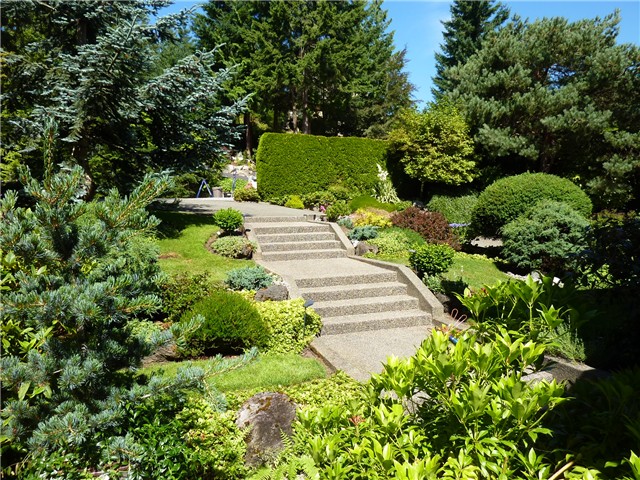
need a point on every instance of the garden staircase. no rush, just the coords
(369, 312)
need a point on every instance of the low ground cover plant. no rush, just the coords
(371, 216)
(395, 243)
(233, 247)
(248, 278)
(180, 292)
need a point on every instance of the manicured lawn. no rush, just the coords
(266, 371)
(476, 270)
(182, 238)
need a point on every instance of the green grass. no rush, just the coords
(476, 270)
(266, 371)
(182, 238)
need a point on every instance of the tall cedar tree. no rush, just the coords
(318, 67)
(471, 22)
(562, 98)
(92, 66)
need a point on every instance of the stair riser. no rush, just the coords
(284, 247)
(300, 218)
(339, 310)
(292, 229)
(346, 293)
(301, 255)
(296, 237)
(337, 327)
(346, 280)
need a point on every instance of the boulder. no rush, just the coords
(272, 292)
(364, 247)
(266, 416)
(165, 353)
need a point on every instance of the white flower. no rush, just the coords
(382, 173)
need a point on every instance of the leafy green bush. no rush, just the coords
(246, 194)
(290, 328)
(337, 210)
(456, 209)
(546, 238)
(227, 184)
(371, 216)
(248, 278)
(396, 242)
(367, 201)
(341, 193)
(432, 226)
(294, 202)
(365, 232)
(228, 219)
(228, 323)
(431, 259)
(317, 199)
(233, 247)
(180, 292)
(612, 258)
(300, 164)
(508, 198)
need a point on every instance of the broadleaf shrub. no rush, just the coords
(228, 219)
(300, 164)
(233, 247)
(506, 199)
(365, 232)
(288, 329)
(432, 226)
(229, 324)
(547, 238)
(337, 210)
(246, 194)
(431, 259)
(227, 184)
(317, 199)
(248, 278)
(294, 201)
(371, 216)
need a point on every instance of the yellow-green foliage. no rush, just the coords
(294, 202)
(372, 216)
(285, 322)
(300, 164)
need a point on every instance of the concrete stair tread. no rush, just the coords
(363, 354)
(362, 317)
(294, 237)
(298, 246)
(363, 301)
(256, 225)
(357, 286)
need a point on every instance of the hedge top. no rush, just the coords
(297, 164)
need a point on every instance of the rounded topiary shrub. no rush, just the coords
(432, 226)
(228, 219)
(431, 259)
(229, 324)
(546, 238)
(506, 199)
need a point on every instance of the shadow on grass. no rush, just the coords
(173, 223)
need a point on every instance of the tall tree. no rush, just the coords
(313, 66)
(558, 97)
(90, 65)
(470, 23)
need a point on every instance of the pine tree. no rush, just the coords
(558, 97)
(312, 66)
(90, 65)
(471, 22)
(74, 275)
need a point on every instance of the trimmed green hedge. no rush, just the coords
(296, 164)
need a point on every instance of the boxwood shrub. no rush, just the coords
(230, 324)
(508, 198)
(228, 219)
(431, 259)
(300, 164)
(288, 330)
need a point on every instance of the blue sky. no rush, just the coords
(418, 28)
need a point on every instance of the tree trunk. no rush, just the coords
(80, 153)
(248, 134)
(306, 124)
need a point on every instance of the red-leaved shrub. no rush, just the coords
(432, 226)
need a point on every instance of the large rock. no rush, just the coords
(364, 247)
(165, 353)
(272, 292)
(267, 416)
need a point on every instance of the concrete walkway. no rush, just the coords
(370, 310)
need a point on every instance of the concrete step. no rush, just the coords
(358, 306)
(308, 245)
(295, 237)
(302, 255)
(294, 227)
(374, 321)
(362, 290)
(365, 353)
(261, 219)
(328, 281)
